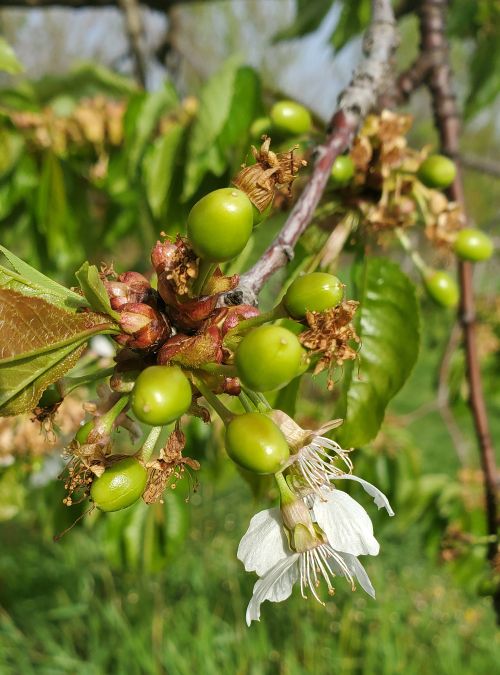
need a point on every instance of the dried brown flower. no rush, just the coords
(329, 335)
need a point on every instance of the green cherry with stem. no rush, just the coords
(437, 171)
(291, 118)
(442, 288)
(313, 292)
(256, 443)
(120, 486)
(161, 394)
(473, 245)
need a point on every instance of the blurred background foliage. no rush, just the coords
(94, 167)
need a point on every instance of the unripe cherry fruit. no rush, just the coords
(313, 292)
(442, 288)
(260, 126)
(220, 224)
(473, 245)
(161, 394)
(268, 358)
(290, 117)
(120, 485)
(437, 171)
(342, 171)
(256, 443)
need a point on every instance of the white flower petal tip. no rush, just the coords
(346, 524)
(276, 585)
(378, 496)
(264, 544)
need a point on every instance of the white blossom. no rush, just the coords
(342, 531)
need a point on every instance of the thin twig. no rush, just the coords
(135, 32)
(481, 164)
(354, 104)
(432, 16)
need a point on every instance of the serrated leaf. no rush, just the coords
(153, 107)
(39, 342)
(9, 62)
(30, 282)
(388, 325)
(159, 165)
(215, 106)
(308, 17)
(94, 290)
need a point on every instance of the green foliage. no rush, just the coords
(353, 19)
(388, 326)
(9, 62)
(94, 290)
(308, 17)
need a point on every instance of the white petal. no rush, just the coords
(264, 543)
(378, 497)
(356, 569)
(346, 524)
(275, 586)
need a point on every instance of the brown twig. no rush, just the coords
(135, 32)
(432, 16)
(481, 164)
(353, 106)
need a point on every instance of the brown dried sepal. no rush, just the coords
(168, 468)
(271, 172)
(329, 335)
(176, 265)
(444, 220)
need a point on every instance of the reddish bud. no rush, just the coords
(145, 327)
(193, 350)
(237, 314)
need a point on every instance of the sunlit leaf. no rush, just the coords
(9, 62)
(39, 342)
(159, 165)
(94, 290)
(388, 325)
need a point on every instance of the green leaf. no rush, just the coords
(30, 282)
(94, 290)
(353, 19)
(203, 153)
(9, 62)
(39, 342)
(159, 165)
(388, 325)
(11, 146)
(484, 75)
(308, 17)
(146, 120)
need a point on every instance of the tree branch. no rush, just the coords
(432, 16)
(135, 32)
(354, 104)
(481, 164)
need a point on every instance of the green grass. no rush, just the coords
(63, 610)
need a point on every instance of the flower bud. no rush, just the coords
(145, 327)
(129, 287)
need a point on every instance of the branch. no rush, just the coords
(354, 104)
(135, 32)
(160, 5)
(482, 164)
(433, 41)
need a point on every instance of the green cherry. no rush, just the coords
(342, 171)
(256, 443)
(442, 288)
(313, 292)
(290, 117)
(260, 126)
(473, 245)
(268, 358)
(437, 171)
(220, 224)
(120, 485)
(161, 394)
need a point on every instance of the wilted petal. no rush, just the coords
(355, 568)
(275, 586)
(378, 497)
(345, 522)
(264, 543)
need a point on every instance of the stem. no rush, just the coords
(106, 421)
(258, 400)
(69, 384)
(224, 413)
(246, 402)
(415, 256)
(286, 495)
(432, 16)
(148, 446)
(205, 271)
(354, 104)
